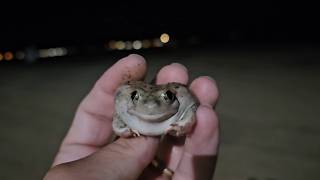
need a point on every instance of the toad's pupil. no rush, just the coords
(134, 95)
(170, 95)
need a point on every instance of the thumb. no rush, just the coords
(129, 157)
(125, 158)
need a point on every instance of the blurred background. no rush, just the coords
(264, 56)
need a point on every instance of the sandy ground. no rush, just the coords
(268, 109)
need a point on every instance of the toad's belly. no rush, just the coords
(149, 128)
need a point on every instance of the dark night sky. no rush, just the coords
(262, 21)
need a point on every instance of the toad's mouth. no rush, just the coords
(153, 117)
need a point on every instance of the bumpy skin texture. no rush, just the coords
(153, 110)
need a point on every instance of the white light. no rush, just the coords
(137, 44)
(52, 52)
(60, 51)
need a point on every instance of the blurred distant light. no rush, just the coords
(20, 55)
(120, 45)
(157, 43)
(112, 44)
(65, 51)
(128, 45)
(137, 44)
(43, 53)
(61, 51)
(8, 56)
(1, 57)
(164, 38)
(52, 52)
(146, 43)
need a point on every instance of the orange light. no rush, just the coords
(112, 45)
(1, 57)
(8, 56)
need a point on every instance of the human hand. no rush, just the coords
(85, 154)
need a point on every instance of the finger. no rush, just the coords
(170, 149)
(201, 147)
(200, 151)
(174, 72)
(122, 159)
(91, 127)
(206, 90)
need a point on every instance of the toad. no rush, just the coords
(153, 110)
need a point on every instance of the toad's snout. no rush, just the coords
(151, 105)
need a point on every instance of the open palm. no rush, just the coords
(86, 154)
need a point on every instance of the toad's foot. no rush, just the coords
(175, 130)
(135, 133)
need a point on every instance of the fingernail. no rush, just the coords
(210, 78)
(137, 56)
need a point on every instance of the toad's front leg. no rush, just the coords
(121, 128)
(184, 124)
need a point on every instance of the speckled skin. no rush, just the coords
(153, 110)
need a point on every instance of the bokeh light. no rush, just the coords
(64, 51)
(164, 38)
(8, 56)
(137, 44)
(43, 53)
(146, 44)
(112, 44)
(1, 57)
(120, 45)
(52, 52)
(157, 43)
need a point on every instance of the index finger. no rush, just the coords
(91, 127)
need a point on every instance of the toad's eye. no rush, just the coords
(168, 96)
(134, 96)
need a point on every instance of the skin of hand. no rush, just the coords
(86, 154)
